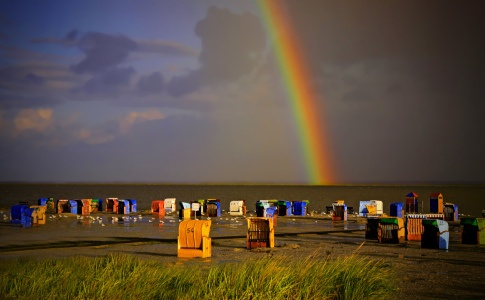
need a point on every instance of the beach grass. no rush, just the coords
(121, 276)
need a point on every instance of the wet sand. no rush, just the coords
(458, 273)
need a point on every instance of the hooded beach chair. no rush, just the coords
(237, 208)
(473, 231)
(123, 207)
(414, 226)
(63, 206)
(193, 239)
(391, 230)
(284, 208)
(89, 205)
(435, 234)
(112, 204)
(260, 233)
(73, 207)
(299, 208)
(16, 212)
(214, 208)
(169, 205)
(84, 207)
(371, 227)
(339, 212)
(158, 207)
(450, 211)
(132, 205)
(96, 204)
(41, 213)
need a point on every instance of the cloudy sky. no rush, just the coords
(190, 91)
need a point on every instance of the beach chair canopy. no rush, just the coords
(480, 223)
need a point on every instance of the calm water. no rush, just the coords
(469, 198)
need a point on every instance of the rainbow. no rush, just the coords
(302, 98)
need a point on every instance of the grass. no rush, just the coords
(120, 276)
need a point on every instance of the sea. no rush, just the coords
(470, 198)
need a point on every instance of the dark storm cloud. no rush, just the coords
(12, 101)
(75, 38)
(102, 51)
(23, 54)
(165, 47)
(181, 85)
(72, 35)
(356, 96)
(231, 48)
(350, 30)
(34, 79)
(442, 37)
(230, 44)
(152, 84)
(118, 76)
(109, 81)
(69, 40)
(397, 77)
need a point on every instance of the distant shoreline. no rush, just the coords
(243, 184)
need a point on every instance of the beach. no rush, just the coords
(457, 273)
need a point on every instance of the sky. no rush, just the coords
(194, 91)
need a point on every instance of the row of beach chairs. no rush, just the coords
(194, 240)
(432, 232)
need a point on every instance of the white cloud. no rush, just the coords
(95, 137)
(133, 117)
(33, 119)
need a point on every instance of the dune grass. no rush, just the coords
(120, 276)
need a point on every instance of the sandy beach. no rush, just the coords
(458, 273)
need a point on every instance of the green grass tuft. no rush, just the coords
(120, 276)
